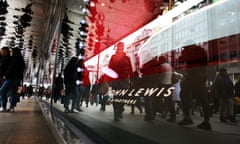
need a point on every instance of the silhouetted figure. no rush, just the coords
(120, 64)
(41, 92)
(136, 82)
(94, 93)
(24, 91)
(58, 87)
(71, 90)
(13, 78)
(225, 92)
(4, 62)
(149, 80)
(194, 83)
(29, 90)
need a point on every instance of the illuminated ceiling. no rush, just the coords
(24, 24)
(108, 22)
(111, 20)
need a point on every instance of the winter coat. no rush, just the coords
(120, 63)
(224, 87)
(15, 68)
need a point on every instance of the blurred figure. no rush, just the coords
(136, 82)
(103, 88)
(83, 90)
(41, 92)
(85, 87)
(4, 61)
(94, 93)
(48, 92)
(12, 79)
(164, 76)
(149, 80)
(24, 91)
(120, 63)
(225, 92)
(175, 98)
(71, 90)
(29, 91)
(58, 87)
(194, 84)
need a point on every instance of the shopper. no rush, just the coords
(71, 90)
(12, 79)
(85, 87)
(175, 97)
(4, 62)
(149, 79)
(194, 84)
(120, 63)
(103, 88)
(58, 86)
(136, 83)
(164, 75)
(225, 92)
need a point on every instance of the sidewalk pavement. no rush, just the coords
(158, 131)
(26, 125)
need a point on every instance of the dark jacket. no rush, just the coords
(70, 75)
(196, 61)
(15, 68)
(224, 87)
(4, 62)
(120, 63)
(70, 72)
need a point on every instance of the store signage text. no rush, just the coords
(128, 96)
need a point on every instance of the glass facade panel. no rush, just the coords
(165, 74)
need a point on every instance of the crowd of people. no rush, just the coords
(191, 89)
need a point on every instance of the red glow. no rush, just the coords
(115, 20)
(109, 72)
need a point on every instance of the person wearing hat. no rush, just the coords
(194, 84)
